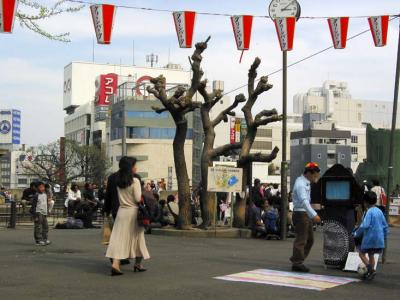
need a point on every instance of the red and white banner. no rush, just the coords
(184, 25)
(379, 29)
(8, 9)
(232, 131)
(338, 28)
(242, 26)
(285, 30)
(103, 21)
(106, 86)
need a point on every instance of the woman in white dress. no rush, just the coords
(127, 237)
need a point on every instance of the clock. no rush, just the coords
(284, 8)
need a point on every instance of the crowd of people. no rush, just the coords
(263, 211)
(124, 193)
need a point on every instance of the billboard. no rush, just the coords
(232, 132)
(106, 86)
(225, 179)
(10, 126)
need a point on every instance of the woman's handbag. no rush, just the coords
(106, 230)
(143, 215)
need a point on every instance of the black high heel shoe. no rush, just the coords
(115, 272)
(139, 269)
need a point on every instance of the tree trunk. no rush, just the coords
(185, 213)
(239, 209)
(207, 199)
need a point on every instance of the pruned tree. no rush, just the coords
(31, 13)
(246, 157)
(209, 152)
(179, 105)
(82, 163)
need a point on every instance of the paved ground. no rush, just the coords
(74, 267)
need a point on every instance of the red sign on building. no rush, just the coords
(232, 131)
(106, 86)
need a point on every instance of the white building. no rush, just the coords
(148, 135)
(335, 101)
(10, 134)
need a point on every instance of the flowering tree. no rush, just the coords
(31, 13)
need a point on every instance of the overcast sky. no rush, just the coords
(31, 67)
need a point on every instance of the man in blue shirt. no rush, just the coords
(304, 216)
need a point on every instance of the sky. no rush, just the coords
(31, 66)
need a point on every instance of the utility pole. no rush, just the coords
(133, 53)
(284, 201)
(93, 50)
(392, 136)
(152, 59)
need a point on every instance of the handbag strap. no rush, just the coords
(170, 210)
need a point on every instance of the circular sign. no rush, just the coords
(5, 127)
(284, 8)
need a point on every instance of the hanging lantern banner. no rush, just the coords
(338, 28)
(379, 29)
(184, 25)
(8, 9)
(103, 21)
(285, 30)
(242, 26)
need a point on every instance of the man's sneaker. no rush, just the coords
(47, 242)
(40, 243)
(371, 275)
(300, 268)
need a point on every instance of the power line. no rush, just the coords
(84, 2)
(392, 17)
(304, 59)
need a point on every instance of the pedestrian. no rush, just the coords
(380, 195)
(255, 223)
(102, 194)
(73, 199)
(27, 196)
(256, 197)
(50, 197)
(111, 200)
(304, 216)
(173, 210)
(39, 210)
(127, 237)
(373, 232)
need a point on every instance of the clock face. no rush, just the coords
(284, 8)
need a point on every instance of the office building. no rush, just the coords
(115, 111)
(335, 101)
(10, 139)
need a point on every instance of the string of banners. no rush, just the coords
(103, 16)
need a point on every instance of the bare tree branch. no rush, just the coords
(225, 150)
(196, 69)
(253, 75)
(259, 157)
(159, 110)
(222, 116)
(265, 121)
(266, 113)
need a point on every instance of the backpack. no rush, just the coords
(383, 197)
(271, 220)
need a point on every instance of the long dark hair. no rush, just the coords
(125, 175)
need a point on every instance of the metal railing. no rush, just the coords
(130, 90)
